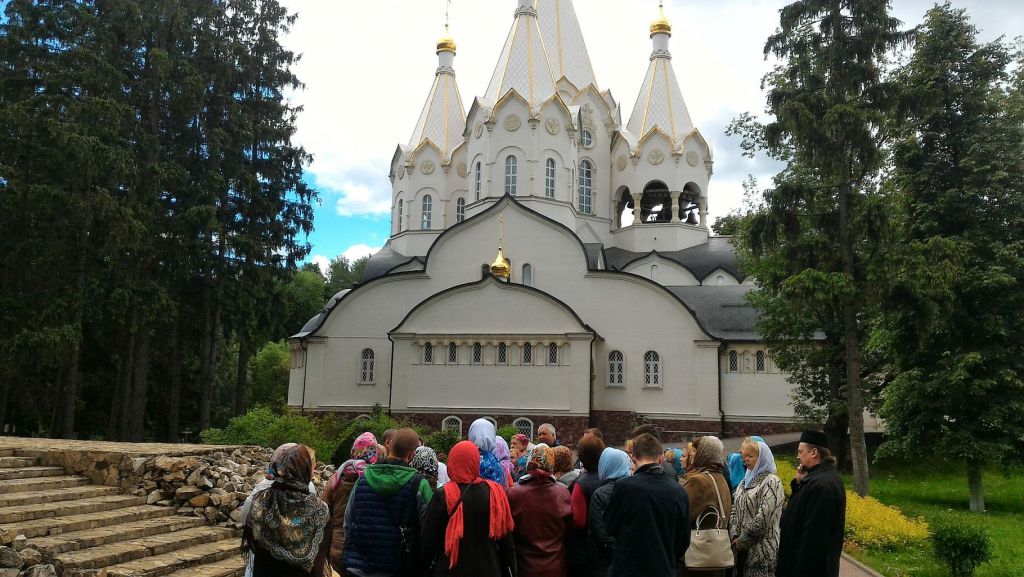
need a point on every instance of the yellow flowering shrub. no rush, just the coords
(786, 472)
(872, 524)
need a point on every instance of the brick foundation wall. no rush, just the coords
(568, 429)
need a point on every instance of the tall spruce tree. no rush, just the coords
(829, 100)
(953, 321)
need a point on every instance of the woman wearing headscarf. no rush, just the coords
(737, 469)
(674, 458)
(365, 451)
(614, 465)
(705, 483)
(467, 530)
(504, 457)
(542, 512)
(287, 529)
(483, 434)
(562, 467)
(754, 524)
(521, 455)
(424, 460)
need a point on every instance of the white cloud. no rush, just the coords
(358, 251)
(359, 199)
(321, 261)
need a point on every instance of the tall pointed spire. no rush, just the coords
(523, 64)
(660, 102)
(443, 119)
(563, 39)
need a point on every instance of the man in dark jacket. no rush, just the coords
(384, 515)
(811, 530)
(655, 432)
(648, 516)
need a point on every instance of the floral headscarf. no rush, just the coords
(424, 460)
(365, 452)
(541, 458)
(503, 455)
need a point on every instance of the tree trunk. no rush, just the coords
(206, 360)
(174, 394)
(124, 384)
(5, 388)
(855, 404)
(140, 389)
(242, 380)
(838, 423)
(974, 471)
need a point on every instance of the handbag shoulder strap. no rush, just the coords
(721, 509)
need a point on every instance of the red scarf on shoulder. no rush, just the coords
(464, 468)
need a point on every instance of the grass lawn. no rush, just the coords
(935, 490)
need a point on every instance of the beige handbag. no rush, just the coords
(710, 549)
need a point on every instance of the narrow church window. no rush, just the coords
(460, 210)
(759, 363)
(366, 366)
(428, 354)
(502, 354)
(528, 354)
(553, 354)
(427, 203)
(654, 272)
(453, 354)
(734, 362)
(511, 164)
(719, 280)
(528, 274)
(399, 215)
(549, 178)
(616, 367)
(586, 182)
(586, 138)
(524, 426)
(477, 353)
(452, 423)
(652, 369)
(476, 181)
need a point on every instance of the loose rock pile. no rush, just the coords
(213, 485)
(17, 560)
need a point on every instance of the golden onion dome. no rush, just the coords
(500, 267)
(446, 44)
(661, 25)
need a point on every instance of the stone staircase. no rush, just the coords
(89, 530)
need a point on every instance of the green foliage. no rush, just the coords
(442, 441)
(343, 274)
(378, 422)
(304, 297)
(507, 432)
(261, 426)
(268, 384)
(961, 545)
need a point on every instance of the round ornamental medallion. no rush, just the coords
(462, 169)
(621, 163)
(655, 156)
(692, 158)
(427, 167)
(512, 123)
(478, 130)
(552, 125)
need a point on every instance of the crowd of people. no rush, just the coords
(495, 509)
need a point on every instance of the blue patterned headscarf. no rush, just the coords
(483, 434)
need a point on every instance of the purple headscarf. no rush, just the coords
(504, 455)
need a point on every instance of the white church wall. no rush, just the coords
(662, 237)
(750, 393)
(719, 277)
(666, 273)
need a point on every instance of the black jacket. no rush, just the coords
(811, 530)
(479, 556)
(600, 545)
(649, 518)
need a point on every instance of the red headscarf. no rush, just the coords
(464, 468)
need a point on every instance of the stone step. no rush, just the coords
(55, 495)
(6, 452)
(79, 540)
(125, 551)
(42, 484)
(230, 567)
(15, 462)
(30, 473)
(81, 522)
(176, 561)
(64, 508)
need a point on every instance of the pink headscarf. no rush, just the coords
(504, 456)
(365, 452)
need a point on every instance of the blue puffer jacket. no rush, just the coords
(379, 504)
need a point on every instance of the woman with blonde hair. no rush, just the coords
(757, 508)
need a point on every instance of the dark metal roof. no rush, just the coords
(593, 250)
(701, 260)
(384, 261)
(722, 310)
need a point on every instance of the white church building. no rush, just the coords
(608, 303)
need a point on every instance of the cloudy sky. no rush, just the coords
(368, 66)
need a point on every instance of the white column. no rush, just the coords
(637, 199)
(675, 205)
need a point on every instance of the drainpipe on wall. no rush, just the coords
(391, 375)
(721, 413)
(305, 367)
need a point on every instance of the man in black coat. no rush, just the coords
(811, 538)
(649, 516)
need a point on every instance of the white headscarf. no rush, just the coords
(765, 462)
(482, 434)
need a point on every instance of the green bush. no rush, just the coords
(507, 432)
(378, 422)
(442, 441)
(262, 427)
(961, 545)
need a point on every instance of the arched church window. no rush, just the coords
(759, 362)
(586, 184)
(427, 206)
(528, 354)
(366, 366)
(719, 280)
(428, 353)
(452, 423)
(476, 180)
(616, 369)
(524, 426)
(528, 274)
(400, 210)
(549, 178)
(477, 353)
(460, 210)
(553, 354)
(453, 354)
(502, 354)
(511, 166)
(586, 138)
(654, 272)
(652, 369)
(734, 362)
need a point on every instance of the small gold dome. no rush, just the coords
(661, 25)
(446, 44)
(500, 267)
